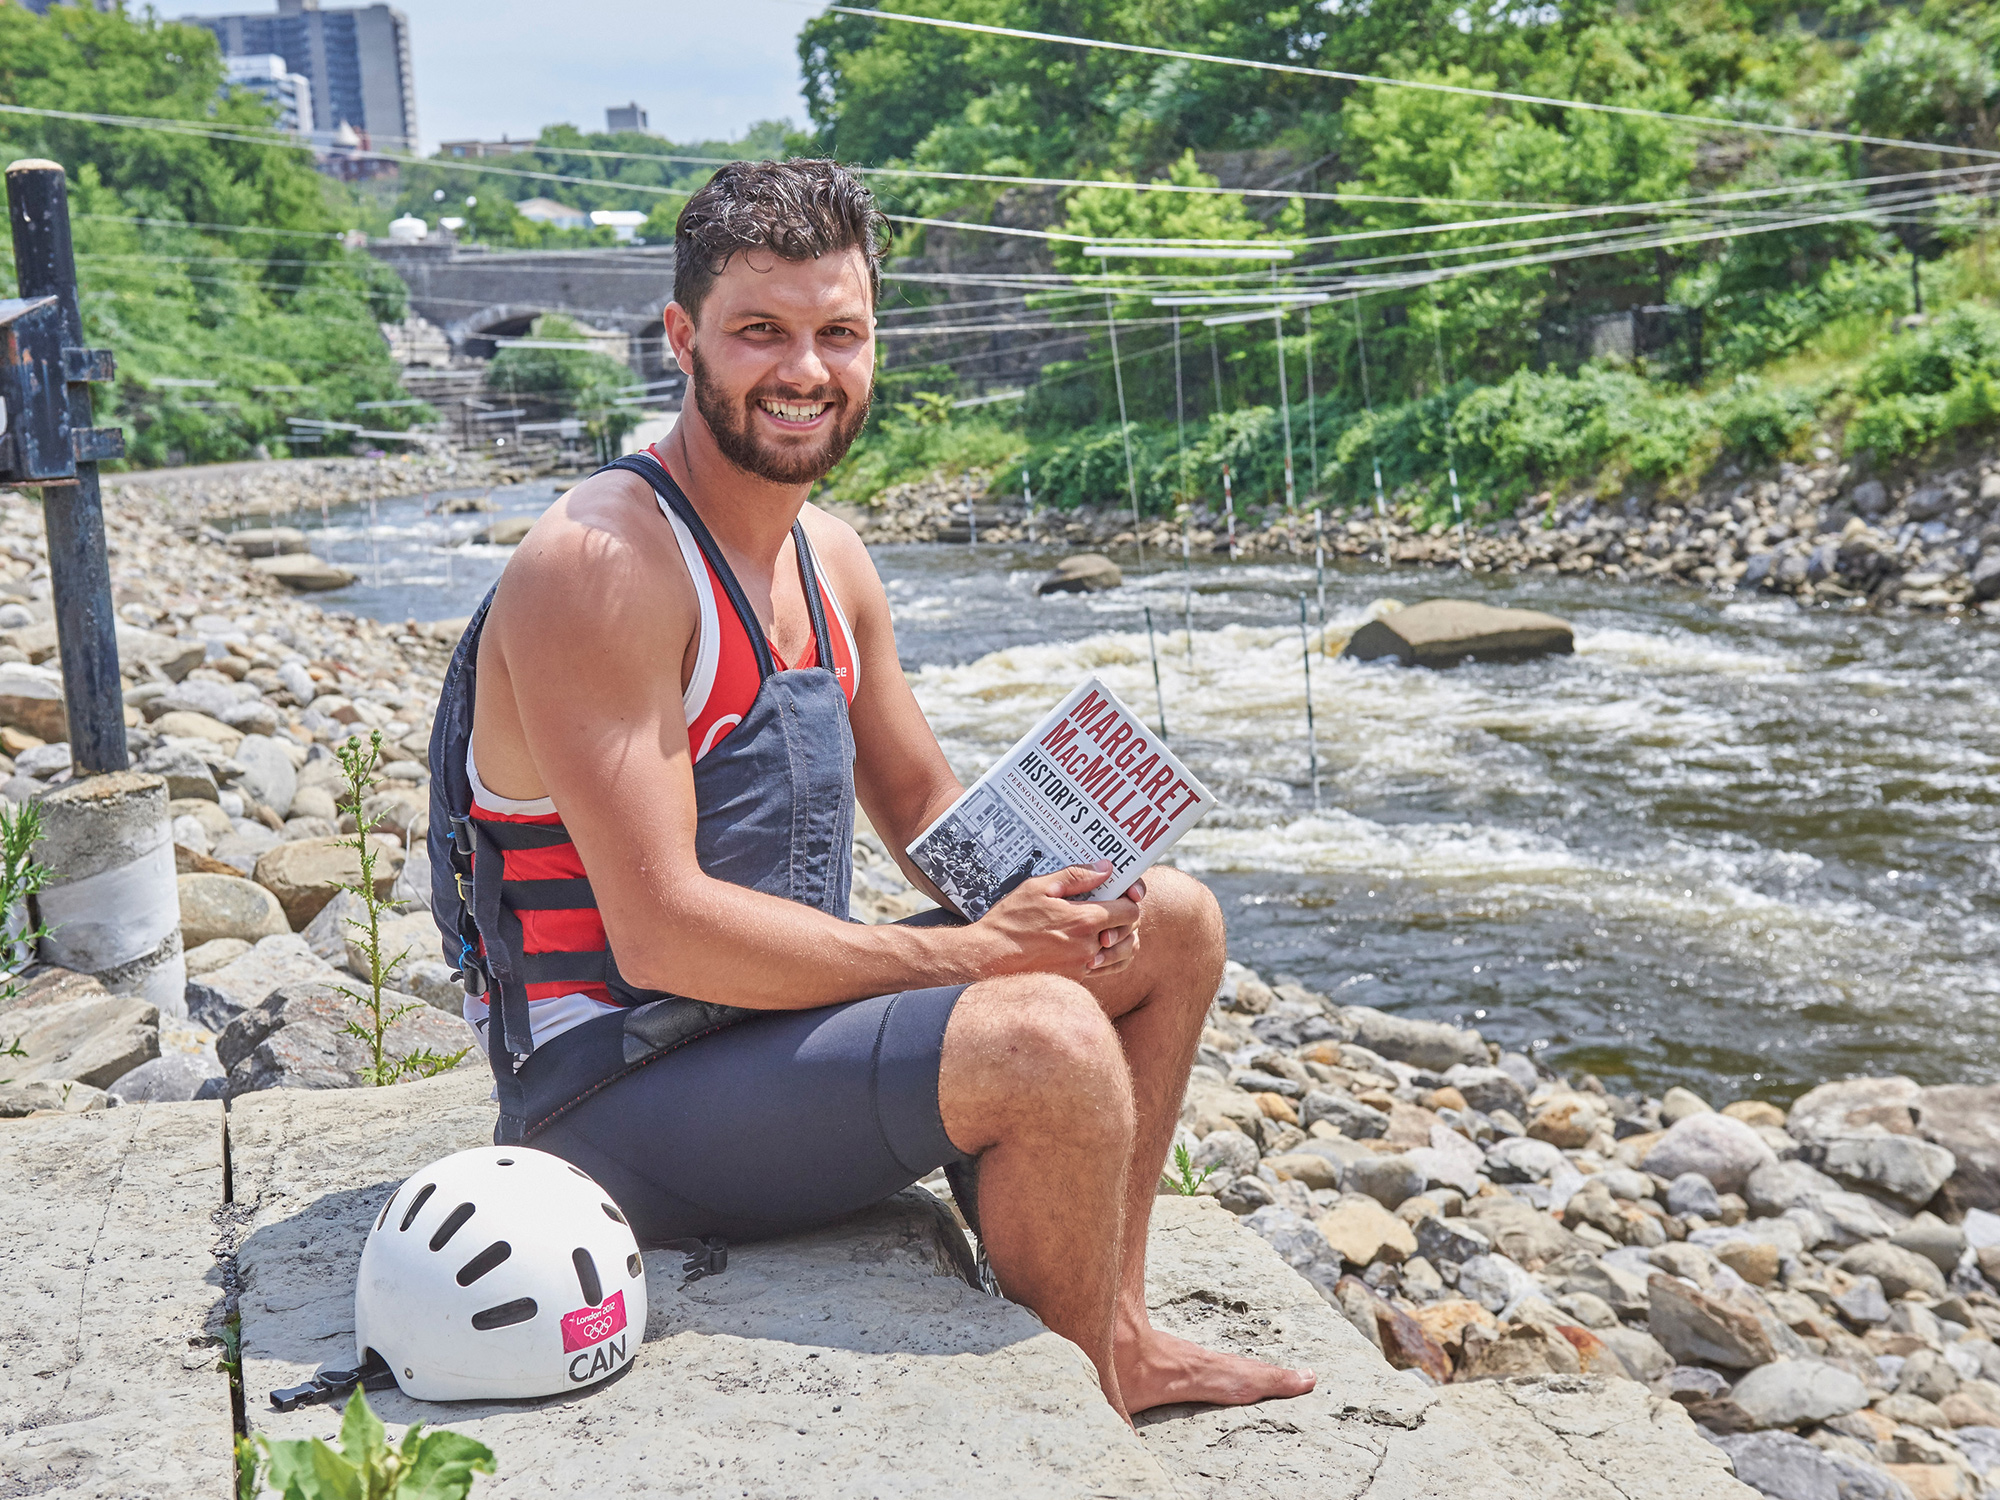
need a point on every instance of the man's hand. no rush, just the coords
(1038, 929)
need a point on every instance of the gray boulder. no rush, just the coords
(298, 1038)
(1389, 1180)
(268, 775)
(1300, 1245)
(1522, 1159)
(1722, 1149)
(1692, 1193)
(1900, 1271)
(1863, 1302)
(1939, 1243)
(1851, 1106)
(1489, 1089)
(227, 906)
(173, 1078)
(221, 995)
(1699, 1328)
(1430, 1045)
(1781, 1466)
(185, 772)
(210, 698)
(1087, 572)
(1789, 1392)
(1901, 1166)
(1642, 1353)
(1869, 498)
(1965, 1120)
(69, 1028)
(1355, 1121)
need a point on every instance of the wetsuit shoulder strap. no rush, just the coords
(655, 474)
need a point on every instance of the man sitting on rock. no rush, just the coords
(686, 675)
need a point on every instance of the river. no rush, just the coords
(1733, 844)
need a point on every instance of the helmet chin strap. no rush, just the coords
(328, 1383)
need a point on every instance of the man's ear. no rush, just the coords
(679, 325)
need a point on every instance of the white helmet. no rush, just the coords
(499, 1273)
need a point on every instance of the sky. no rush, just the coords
(701, 70)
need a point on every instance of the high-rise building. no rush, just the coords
(265, 73)
(356, 62)
(41, 7)
(625, 117)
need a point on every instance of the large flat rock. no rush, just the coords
(851, 1361)
(111, 1304)
(1445, 632)
(856, 1360)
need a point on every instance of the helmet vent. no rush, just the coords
(506, 1315)
(383, 1217)
(611, 1213)
(416, 1204)
(483, 1262)
(633, 1265)
(586, 1276)
(453, 1222)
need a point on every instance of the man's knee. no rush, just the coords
(1058, 1054)
(1182, 924)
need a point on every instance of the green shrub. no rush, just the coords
(1759, 423)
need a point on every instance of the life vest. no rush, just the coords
(774, 812)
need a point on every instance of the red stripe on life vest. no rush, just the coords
(558, 862)
(578, 930)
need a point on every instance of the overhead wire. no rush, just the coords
(1707, 122)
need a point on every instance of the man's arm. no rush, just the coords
(590, 645)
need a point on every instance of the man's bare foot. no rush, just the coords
(1157, 1369)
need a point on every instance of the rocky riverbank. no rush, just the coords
(1818, 532)
(1816, 1286)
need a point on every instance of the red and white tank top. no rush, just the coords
(719, 693)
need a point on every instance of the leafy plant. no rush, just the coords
(437, 1465)
(925, 409)
(359, 767)
(1183, 1178)
(21, 875)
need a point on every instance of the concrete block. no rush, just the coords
(111, 1305)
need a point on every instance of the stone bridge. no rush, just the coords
(476, 295)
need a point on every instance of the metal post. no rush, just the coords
(1229, 511)
(73, 512)
(1159, 693)
(1124, 427)
(1312, 743)
(1187, 584)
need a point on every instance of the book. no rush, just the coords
(1089, 782)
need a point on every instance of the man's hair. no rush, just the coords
(797, 210)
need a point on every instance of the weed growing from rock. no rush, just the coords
(21, 875)
(1183, 1178)
(425, 1466)
(359, 767)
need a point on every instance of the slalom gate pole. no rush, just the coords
(1229, 510)
(1312, 744)
(1028, 496)
(971, 525)
(1187, 585)
(1319, 565)
(1159, 693)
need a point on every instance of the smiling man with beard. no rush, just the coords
(684, 679)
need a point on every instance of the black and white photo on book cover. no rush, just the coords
(1089, 782)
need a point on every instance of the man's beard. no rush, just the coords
(735, 436)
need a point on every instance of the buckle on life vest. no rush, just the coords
(469, 972)
(461, 833)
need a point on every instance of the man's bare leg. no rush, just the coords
(1034, 1082)
(1158, 1005)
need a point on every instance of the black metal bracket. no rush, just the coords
(328, 1383)
(87, 366)
(96, 444)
